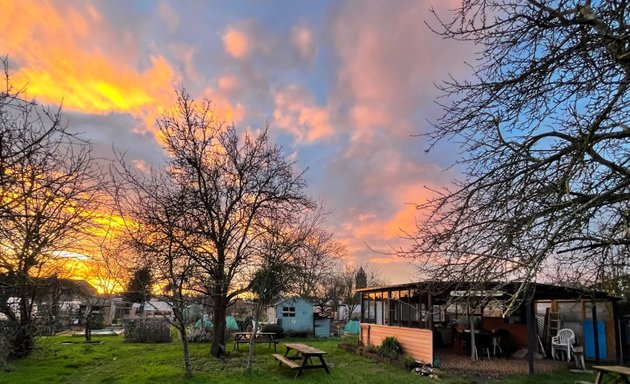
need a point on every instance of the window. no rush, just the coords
(288, 311)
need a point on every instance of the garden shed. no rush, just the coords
(294, 315)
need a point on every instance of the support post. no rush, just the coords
(531, 335)
(595, 329)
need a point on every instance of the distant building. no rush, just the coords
(360, 279)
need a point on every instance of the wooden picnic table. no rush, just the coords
(261, 337)
(304, 352)
(612, 374)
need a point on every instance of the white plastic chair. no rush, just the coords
(563, 341)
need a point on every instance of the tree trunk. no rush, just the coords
(88, 327)
(252, 345)
(218, 341)
(188, 371)
(23, 339)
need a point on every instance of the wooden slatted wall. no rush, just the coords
(415, 342)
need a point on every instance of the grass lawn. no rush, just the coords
(115, 361)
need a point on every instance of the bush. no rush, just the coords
(200, 335)
(243, 324)
(275, 328)
(5, 351)
(154, 330)
(96, 320)
(390, 348)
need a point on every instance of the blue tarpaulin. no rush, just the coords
(231, 324)
(352, 326)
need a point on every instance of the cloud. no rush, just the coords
(295, 112)
(82, 60)
(387, 62)
(223, 109)
(304, 42)
(229, 84)
(169, 16)
(236, 43)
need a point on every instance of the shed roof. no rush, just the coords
(541, 291)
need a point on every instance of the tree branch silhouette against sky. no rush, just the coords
(343, 85)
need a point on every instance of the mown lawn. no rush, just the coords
(115, 361)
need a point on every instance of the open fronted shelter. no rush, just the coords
(428, 316)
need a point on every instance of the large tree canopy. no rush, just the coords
(49, 193)
(544, 129)
(231, 186)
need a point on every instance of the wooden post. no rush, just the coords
(595, 333)
(531, 334)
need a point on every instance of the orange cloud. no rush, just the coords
(223, 109)
(70, 53)
(236, 43)
(295, 111)
(386, 260)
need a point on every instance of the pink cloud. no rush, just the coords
(295, 112)
(303, 40)
(389, 61)
(169, 16)
(236, 43)
(229, 84)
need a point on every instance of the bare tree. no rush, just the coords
(277, 270)
(49, 189)
(319, 261)
(230, 182)
(543, 127)
(161, 230)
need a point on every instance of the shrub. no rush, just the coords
(275, 328)
(243, 324)
(5, 351)
(154, 330)
(390, 348)
(97, 320)
(200, 335)
(409, 361)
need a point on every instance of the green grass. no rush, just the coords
(115, 361)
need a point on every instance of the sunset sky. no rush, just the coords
(344, 85)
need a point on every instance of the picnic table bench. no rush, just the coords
(261, 337)
(616, 374)
(613, 374)
(304, 352)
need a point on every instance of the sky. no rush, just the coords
(345, 86)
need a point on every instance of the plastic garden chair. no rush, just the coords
(563, 341)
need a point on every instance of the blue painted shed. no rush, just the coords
(294, 315)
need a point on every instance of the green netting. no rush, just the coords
(193, 312)
(204, 323)
(231, 324)
(352, 326)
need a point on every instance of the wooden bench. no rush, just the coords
(256, 341)
(286, 361)
(261, 337)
